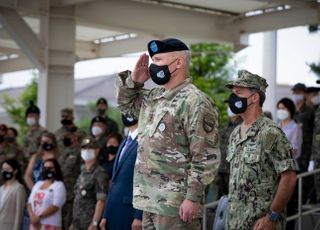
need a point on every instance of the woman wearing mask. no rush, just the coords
(285, 113)
(98, 132)
(12, 196)
(110, 151)
(90, 189)
(48, 149)
(47, 198)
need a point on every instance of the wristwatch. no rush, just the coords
(274, 216)
(95, 223)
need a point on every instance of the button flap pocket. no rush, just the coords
(155, 123)
(251, 155)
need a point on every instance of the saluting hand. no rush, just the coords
(140, 72)
(264, 223)
(189, 210)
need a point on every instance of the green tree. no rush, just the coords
(210, 70)
(16, 109)
(314, 67)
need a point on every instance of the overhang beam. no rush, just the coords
(21, 33)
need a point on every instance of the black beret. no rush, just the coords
(165, 46)
(102, 100)
(299, 86)
(32, 109)
(313, 89)
(98, 119)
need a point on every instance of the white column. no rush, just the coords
(269, 70)
(56, 82)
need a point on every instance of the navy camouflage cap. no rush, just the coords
(249, 80)
(165, 46)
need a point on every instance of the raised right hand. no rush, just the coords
(140, 72)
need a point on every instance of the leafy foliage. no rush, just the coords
(16, 108)
(210, 71)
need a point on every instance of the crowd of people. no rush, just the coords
(156, 176)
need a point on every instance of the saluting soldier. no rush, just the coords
(262, 171)
(178, 153)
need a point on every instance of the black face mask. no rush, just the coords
(101, 112)
(65, 122)
(112, 149)
(1, 138)
(47, 146)
(7, 175)
(9, 139)
(128, 121)
(238, 104)
(47, 174)
(160, 74)
(67, 141)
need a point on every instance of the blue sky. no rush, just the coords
(296, 47)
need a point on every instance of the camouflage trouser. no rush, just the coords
(67, 214)
(151, 221)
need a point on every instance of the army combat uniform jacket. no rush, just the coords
(256, 162)
(178, 152)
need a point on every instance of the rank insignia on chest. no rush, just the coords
(162, 127)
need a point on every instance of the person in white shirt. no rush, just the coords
(47, 198)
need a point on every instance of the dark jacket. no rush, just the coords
(119, 211)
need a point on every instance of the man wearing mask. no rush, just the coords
(15, 150)
(119, 212)
(178, 153)
(313, 97)
(4, 147)
(304, 116)
(102, 108)
(262, 176)
(315, 157)
(69, 161)
(67, 125)
(234, 121)
(34, 132)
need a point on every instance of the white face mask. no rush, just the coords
(31, 121)
(230, 113)
(96, 131)
(87, 154)
(297, 97)
(315, 100)
(282, 114)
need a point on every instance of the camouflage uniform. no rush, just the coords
(32, 141)
(256, 161)
(178, 152)
(316, 150)
(224, 170)
(92, 185)
(70, 167)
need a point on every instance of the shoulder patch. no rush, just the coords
(270, 138)
(208, 122)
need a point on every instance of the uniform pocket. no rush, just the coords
(157, 124)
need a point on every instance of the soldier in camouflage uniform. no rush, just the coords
(67, 126)
(35, 130)
(90, 190)
(262, 176)
(315, 157)
(178, 153)
(70, 160)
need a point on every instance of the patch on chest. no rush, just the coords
(162, 127)
(208, 122)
